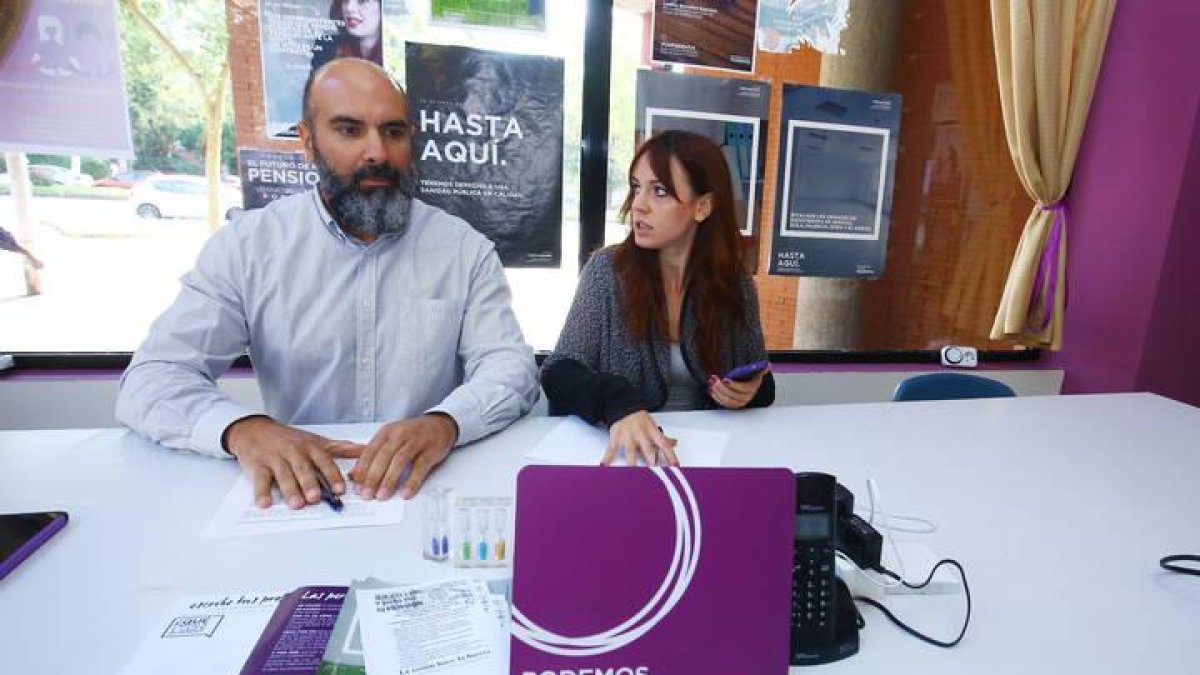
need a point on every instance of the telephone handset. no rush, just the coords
(824, 620)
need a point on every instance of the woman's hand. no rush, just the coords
(639, 436)
(734, 395)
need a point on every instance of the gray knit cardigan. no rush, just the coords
(597, 371)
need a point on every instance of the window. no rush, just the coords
(113, 257)
(113, 254)
(957, 203)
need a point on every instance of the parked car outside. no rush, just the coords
(178, 196)
(127, 179)
(57, 175)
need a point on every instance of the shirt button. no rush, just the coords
(365, 361)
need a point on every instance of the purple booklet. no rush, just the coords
(295, 637)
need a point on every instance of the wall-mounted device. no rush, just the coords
(960, 357)
(824, 619)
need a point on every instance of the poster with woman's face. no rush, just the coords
(299, 36)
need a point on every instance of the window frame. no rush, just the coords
(594, 134)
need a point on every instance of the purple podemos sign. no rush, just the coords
(652, 571)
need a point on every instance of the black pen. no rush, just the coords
(327, 495)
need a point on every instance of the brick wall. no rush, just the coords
(249, 115)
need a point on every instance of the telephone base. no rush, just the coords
(845, 639)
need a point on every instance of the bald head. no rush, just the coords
(346, 76)
(356, 132)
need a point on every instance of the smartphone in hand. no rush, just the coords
(745, 371)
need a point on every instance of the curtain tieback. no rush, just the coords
(1045, 284)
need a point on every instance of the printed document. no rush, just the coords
(239, 516)
(576, 443)
(204, 634)
(442, 628)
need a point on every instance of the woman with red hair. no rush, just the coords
(659, 318)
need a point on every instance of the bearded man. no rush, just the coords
(356, 301)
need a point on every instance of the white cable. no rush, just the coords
(925, 526)
(876, 500)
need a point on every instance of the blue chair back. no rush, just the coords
(942, 386)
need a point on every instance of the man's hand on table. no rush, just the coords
(276, 454)
(411, 448)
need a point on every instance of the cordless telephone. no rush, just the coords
(824, 621)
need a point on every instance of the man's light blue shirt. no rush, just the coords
(337, 330)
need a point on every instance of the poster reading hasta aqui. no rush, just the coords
(299, 36)
(488, 143)
(837, 158)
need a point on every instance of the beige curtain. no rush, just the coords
(1047, 56)
(987, 206)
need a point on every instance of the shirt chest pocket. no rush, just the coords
(425, 330)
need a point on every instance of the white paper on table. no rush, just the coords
(239, 516)
(205, 634)
(441, 628)
(577, 443)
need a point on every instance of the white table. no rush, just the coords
(1059, 507)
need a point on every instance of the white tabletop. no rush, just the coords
(1059, 507)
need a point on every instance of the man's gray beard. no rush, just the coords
(373, 212)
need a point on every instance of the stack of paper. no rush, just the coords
(205, 634)
(447, 627)
(441, 628)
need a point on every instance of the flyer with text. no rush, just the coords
(837, 157)
(710, 33)
(488, 144)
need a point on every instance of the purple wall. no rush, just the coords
(1131, 307)
(1170, 365)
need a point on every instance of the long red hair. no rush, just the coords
(714, 267)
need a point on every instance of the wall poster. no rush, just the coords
(62, 90)
(488, 144)
(837, 154)
(520, 14)
(787, 25)
(711, 33)
(299, 36)
(732, 112)
(267, 175)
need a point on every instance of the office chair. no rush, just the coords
(942, 386)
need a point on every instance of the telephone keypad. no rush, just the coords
(811, 603)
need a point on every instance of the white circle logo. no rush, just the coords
(674, 585)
